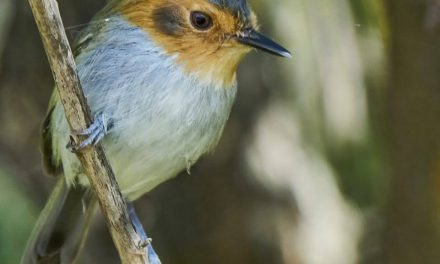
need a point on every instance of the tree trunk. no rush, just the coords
(413, 109)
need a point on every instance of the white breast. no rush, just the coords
(164, 118)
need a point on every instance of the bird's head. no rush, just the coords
(209, 37)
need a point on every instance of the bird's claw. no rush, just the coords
(145, 243)
(93, 134)
(145, 240)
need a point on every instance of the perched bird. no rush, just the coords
(160, 79)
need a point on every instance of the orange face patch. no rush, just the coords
(212, 54)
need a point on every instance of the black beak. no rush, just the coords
(257, 40)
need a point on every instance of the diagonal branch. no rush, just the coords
(93, 159)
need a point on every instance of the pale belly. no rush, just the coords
(155, 141)
(164, 118)
(158, 154)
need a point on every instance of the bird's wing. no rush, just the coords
(51, 166)
(94, 28)
(83, 40)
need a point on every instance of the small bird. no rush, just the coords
(160, 79)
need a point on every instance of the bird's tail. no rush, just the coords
(61, 229)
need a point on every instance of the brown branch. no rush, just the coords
(93, 160)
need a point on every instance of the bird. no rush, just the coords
(160, 79)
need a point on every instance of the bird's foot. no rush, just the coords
(93, 134)
(145, 240)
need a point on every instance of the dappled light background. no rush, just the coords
(330, 157)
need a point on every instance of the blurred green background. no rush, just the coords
(331, 157)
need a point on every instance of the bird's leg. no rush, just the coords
(94, 133)
(146, 241)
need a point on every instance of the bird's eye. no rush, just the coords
(200, 20)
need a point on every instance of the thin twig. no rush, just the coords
(93, 160)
